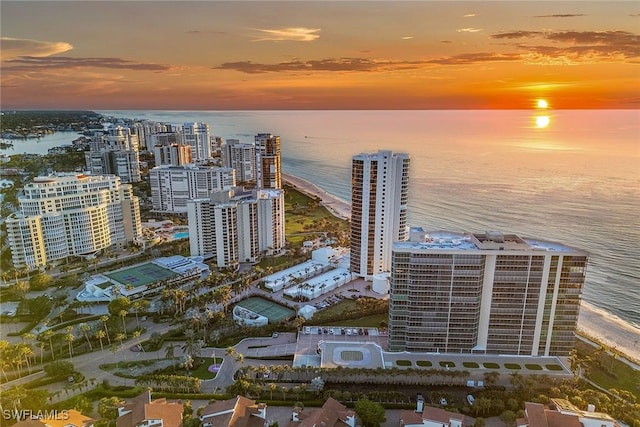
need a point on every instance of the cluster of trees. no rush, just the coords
(170, 383)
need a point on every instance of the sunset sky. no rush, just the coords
(217, 55)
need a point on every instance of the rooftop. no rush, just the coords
(490, 240)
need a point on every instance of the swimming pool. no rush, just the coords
(181, 235)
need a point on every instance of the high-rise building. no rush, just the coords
(198, 137)
(379, 197)
(115, 153)
(68, 214)
(237, 226)
(173, 186)
(268, 165)
(488, 293)
(242, 158)
(168, 149)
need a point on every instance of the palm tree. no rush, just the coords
(136, 335)
(123, 315)
(169, 353)
(47, 335)
(104, 320)
(85, 330)
(100, 335)
(69, 338)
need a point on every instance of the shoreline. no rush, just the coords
(593, 322)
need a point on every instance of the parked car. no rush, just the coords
(470, 399)
(443, 401)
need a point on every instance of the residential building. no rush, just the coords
(145, 130)
(242, 158)
(144, 412)
(563, 413)
(237, 226)
(268, 162)
(379, 197)
(237, 412)
(173, 186)
(331, 414)
(198, 137)
(116, 153)
(430, 417)
(68, 214)
(56, 418)
(168, 149)
(487, 293)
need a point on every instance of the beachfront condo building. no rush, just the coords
(237, 226)
(490, 293)
(268, 162)
(168, 149)
(145, 130)
(198, 137)
(242, 158)
(68, 214)
(379, 197)
(115, 152)
(173, 186)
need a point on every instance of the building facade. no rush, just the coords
(68, 214)
(198, 137)
(115, 153)
(268, 161)
(168, 149)
(242, 158)
(173, 186)
(484, 293)
(379, 197)
(237, 226)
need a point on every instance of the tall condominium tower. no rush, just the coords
(68, 214)
(237, 226)
(173, 186)
(242, 158)
(115, 153)
(168, 150)
(268, 169)
(488, 293)
(197, 136)
(379, 196)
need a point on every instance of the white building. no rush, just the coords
(198, 137)
(173, 186)
(488, 293)
(168, 149)
(379, 197)
(115, 153)
(242, 158)
(235, 226)
(268, 162)
(69, 214)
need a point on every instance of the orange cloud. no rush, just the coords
(14, 48)
(296, 34)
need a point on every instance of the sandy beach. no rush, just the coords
(592, 322)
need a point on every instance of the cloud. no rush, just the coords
(469, 15)
(330, 64)
(407, 38)
(297, 34)
(206, 32)
(579, 46)
(469, 30)
(561, 15)
(31, 63)
(474, 58)
(14, 48)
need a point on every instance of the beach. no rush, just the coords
(593, 322)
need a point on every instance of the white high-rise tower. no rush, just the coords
(379, 197)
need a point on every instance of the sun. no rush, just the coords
(542, 103)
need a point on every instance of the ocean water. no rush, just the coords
(575, 180)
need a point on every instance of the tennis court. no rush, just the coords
(271, 310)
(140, 275)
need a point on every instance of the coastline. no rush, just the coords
(593, 322)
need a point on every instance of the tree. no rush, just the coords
(104, 319)
(509, 418)
(60, 368)
(40, 281)
(371, 413)
(100, 335)
(123, 315)
(69, 337)
(317, 385)
(85, 330)
(48, 335)
(119, 304)
(108, 407)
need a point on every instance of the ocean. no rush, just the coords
(566, 176)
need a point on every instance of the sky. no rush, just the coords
(242, 55)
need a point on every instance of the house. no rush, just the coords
(563, 413)
(238, 412)
(427, 416)
(65, 418)
(144, 412)
(331, 414)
